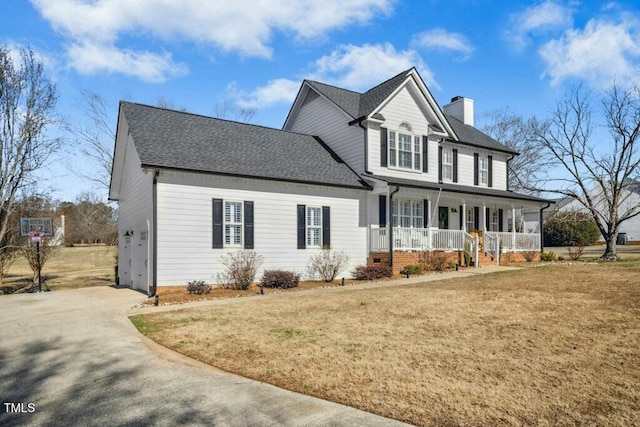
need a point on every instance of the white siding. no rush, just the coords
(185, 224)
(134, 213)
(321, 118)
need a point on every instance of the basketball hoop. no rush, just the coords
(36, 236)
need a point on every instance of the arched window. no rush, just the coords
(405, 148)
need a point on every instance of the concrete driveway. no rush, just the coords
(73, 358)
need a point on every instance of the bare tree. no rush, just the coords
(601, 178)
(527, 171)
(226, 110)
(27, 103)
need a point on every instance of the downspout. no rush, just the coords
(390, 219)
(542, 228)
(154, 207)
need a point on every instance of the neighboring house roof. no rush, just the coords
(454, 188)
(183, 141)
(359, 105)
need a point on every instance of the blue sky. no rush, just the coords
(198, 55)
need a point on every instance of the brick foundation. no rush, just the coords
(514, 257)
(402, 259)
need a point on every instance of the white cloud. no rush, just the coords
(362, 67)
(600, 53)
(89, 58)
(539, 19)
(439, 39)
(242, 26)
(357, 68)
(276, 91)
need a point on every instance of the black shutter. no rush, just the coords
(455, 165)
(476, 168)
(302, 227)
(383, 147)
(487, 219)
(440, 164)
(248, 225)
(461, 218)
(382, 210)
(326, 227)
(425, 154)
(425, 213)
(490, 171)
(500, 218)
(218, 235)
(476, 218)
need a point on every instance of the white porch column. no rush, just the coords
(484, 219)
(430, 219)
(464, 217)
(513, 229)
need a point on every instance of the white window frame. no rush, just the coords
(483, 170)
(495, 218)
(470, 218)
(401, 138)
(407, 213)
(230, 222)
(447, 164)
(313, 233)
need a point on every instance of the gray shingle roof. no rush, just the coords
(454, 188)
(470, 135)
(347, 100)
(184, 141)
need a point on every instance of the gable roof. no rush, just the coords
(184, 141)
(360, 105)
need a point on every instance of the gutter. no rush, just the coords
(390, 216)
(154, 250)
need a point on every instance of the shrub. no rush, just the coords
(328, 263)
(548, 256)
(279, 279)
(529, 255)
(434, 261)
(570, 227)
(467, 253)
(198, 287)
(414, 269)
(374, 272)
(575, 252)
(242, 267)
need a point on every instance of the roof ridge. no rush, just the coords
(215, 118)
(333, 86)
(389, 79)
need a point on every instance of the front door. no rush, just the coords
(443, 217)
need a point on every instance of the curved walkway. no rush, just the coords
(73, 358)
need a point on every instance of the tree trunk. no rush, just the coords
(610, 250)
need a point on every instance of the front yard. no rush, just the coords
(552, 345)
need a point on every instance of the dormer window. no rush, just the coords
(405, 149)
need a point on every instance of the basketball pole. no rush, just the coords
(38, 263)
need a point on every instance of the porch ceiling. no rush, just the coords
(460, 189)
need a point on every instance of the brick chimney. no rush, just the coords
(461, 108)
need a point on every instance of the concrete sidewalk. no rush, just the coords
(73, 358)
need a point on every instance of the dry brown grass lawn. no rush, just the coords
(556, 345)
(68, 268)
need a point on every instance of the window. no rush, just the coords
(447, 164)
(405, 150)
(232, 223)
(494, 220)
(408, 213)
(314, 227)
(471, 219)
(484, 170)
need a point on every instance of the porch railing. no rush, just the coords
(516, 242)
(419, 239)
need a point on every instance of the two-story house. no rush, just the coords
(381, 175)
